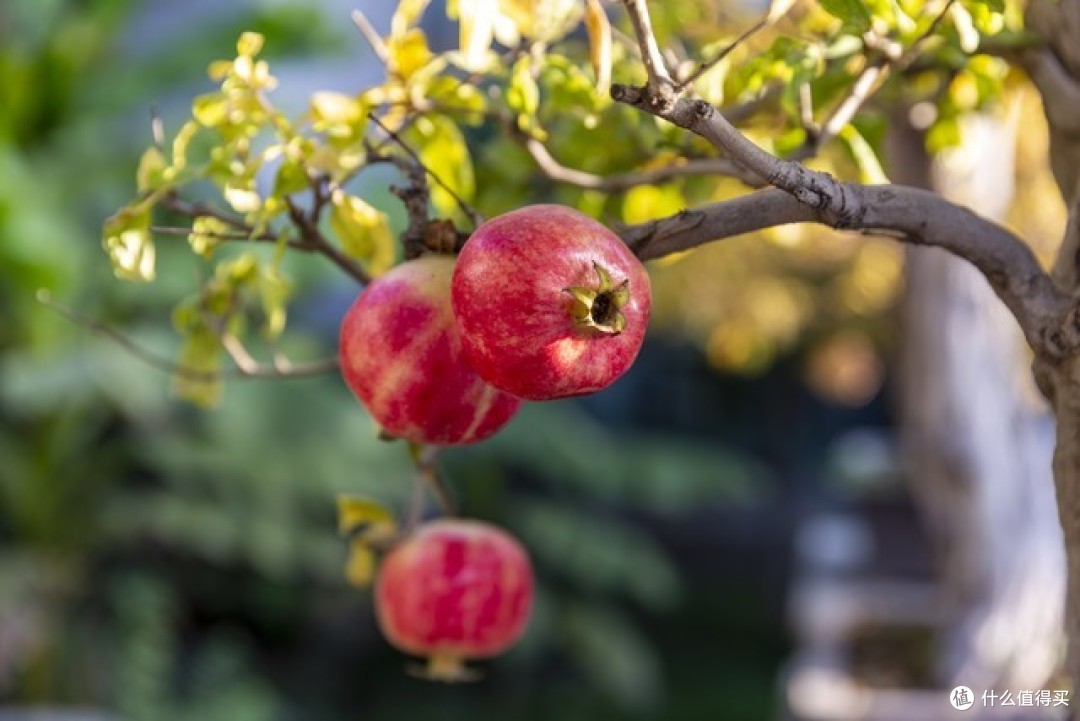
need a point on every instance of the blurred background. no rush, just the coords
(808, 488)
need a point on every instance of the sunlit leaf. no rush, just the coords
(152, 165)
(648, 202)
(407, 53)
(406, 15)
(207, 233)
(356, 513)
(522, 94)
(274, 292)
(545, 20)
(363, 231)
(599, 28)
(126, 238)
(852, 12)
(242, 200)
(249, 44)
(442, 148)
(870, 170)
(476, 31)
(360, 566)
(337, 114)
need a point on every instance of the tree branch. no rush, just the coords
(660, 85)
(555, 170)
(250, 369)
(915, 216)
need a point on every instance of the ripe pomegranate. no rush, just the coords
(401, 355)
(549, 303)
(454, 590)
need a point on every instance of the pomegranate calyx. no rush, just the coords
(599, 307)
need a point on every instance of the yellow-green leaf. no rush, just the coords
(648, 202)
(356, 514)
(336, 114)
(363, 231)
(360, 567)
(476, 30)
(249, 44)
(211, 109)
(442, 149)
(406, 15)
(126, 238)
(242, 200)
(870, 170)
(152, 165)
(274, 292)
(199, 381)
(407, 53)
(599, 28)
(206, 234)
(545, 20)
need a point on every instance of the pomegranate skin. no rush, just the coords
(514, 309)
(454, 590)
(401, 356)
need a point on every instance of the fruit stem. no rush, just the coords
(446, 667)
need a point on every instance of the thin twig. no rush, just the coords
(371, 35)
(311, 236)
(555, 170)
(474, 216)
(427, 468)
(659, 79)
(155, 360)
(711, 63)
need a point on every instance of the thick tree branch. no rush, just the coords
(913, 215)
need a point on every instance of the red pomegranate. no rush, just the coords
(549, 303)
(401, 355)
(454, 590)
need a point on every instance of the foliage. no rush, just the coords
(104, 477)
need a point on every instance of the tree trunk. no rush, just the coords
(979, 448)
(1055, 70)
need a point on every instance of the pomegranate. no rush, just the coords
(401, 355)
(454, 590)
(549, 303)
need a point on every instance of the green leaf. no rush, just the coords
(363, 231)
(610, 650)
(200, 357)
(274, 292)
(291, 178)
(853, 12)
(522, 93)
(870, 170)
